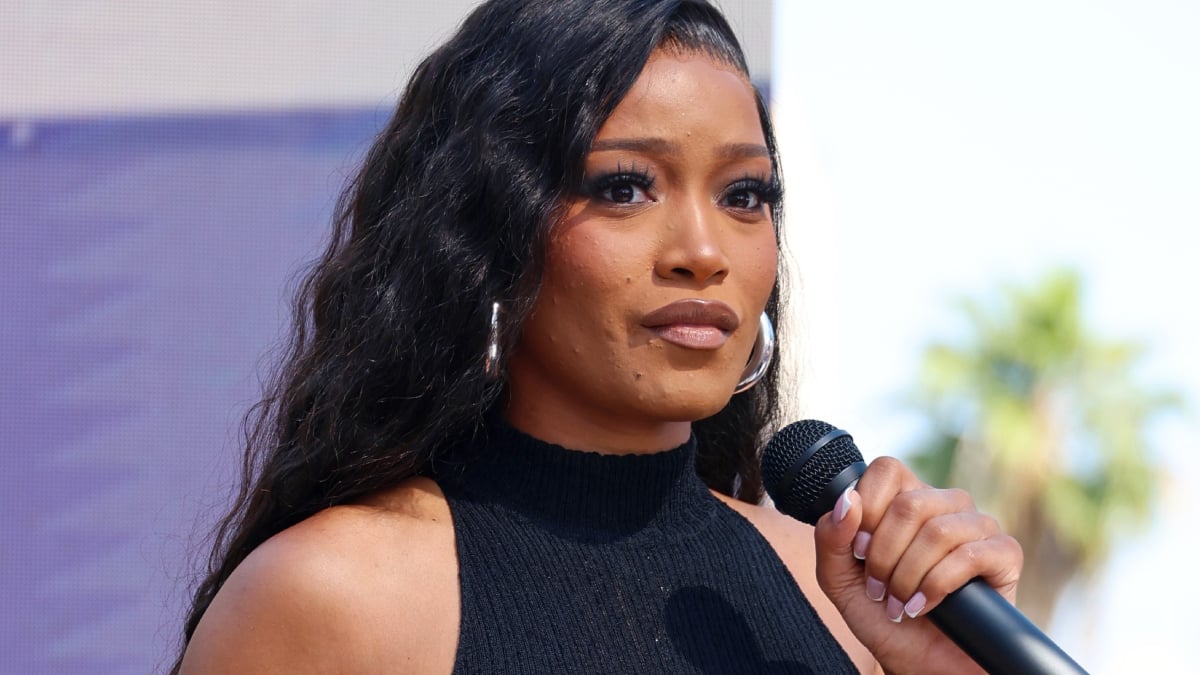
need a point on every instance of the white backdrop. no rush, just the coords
(935, 148)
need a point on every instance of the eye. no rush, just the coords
(750, 194)
(624, 193)
(744, 199)
(621, 187)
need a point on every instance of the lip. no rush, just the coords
(693, 323)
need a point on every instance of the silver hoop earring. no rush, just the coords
(491, 361)
(760, 358)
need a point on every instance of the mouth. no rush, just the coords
(693, 323)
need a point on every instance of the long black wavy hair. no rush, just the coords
(450, 212)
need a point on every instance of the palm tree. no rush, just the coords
(1045, 424)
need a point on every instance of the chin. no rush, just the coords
(681, 405)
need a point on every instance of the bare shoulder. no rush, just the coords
(791, 539)
(793, 542)
(367, 587)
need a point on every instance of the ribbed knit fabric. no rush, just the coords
(577, 562)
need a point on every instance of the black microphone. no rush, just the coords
(808, 465)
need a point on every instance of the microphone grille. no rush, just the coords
(797, 491)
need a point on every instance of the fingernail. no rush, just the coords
(860, 545)
(914, 605)
(895, 610)
(843, 506)
(875, 589)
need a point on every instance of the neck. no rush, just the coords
(582, 494)
(610, 437)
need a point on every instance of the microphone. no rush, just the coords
(808, 465)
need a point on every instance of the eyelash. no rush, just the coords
(638, 178)
(768, 190)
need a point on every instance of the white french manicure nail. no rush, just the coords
(842, 507)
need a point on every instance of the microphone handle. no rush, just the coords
(998, 636)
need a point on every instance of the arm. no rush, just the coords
(353, 589)
(279, 612)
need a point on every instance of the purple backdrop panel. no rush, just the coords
(143, 273)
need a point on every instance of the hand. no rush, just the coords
(919, 544)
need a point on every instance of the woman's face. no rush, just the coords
(657, 274)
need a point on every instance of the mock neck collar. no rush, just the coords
(587, 495)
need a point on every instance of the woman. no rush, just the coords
(506, 438)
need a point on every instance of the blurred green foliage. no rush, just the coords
(1045, 423)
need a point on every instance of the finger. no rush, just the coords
(906, 516)
(885, 478)
(997, 560)
(838, 571)
(937, 538)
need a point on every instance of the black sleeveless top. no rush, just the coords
(577, 562)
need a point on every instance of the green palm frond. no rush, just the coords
(1046, 423)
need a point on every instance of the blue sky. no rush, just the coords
(936, 149)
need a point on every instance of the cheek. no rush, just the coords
(587, 289)
(762, 266)
(586, 267)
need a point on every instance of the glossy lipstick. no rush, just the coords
(693, 323)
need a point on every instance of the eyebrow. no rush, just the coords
(660, 146)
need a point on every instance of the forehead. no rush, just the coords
(679, 90)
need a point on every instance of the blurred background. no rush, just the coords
(993, 208)
(990, 214)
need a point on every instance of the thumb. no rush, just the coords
(838, 572)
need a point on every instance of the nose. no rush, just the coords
(692, 250)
